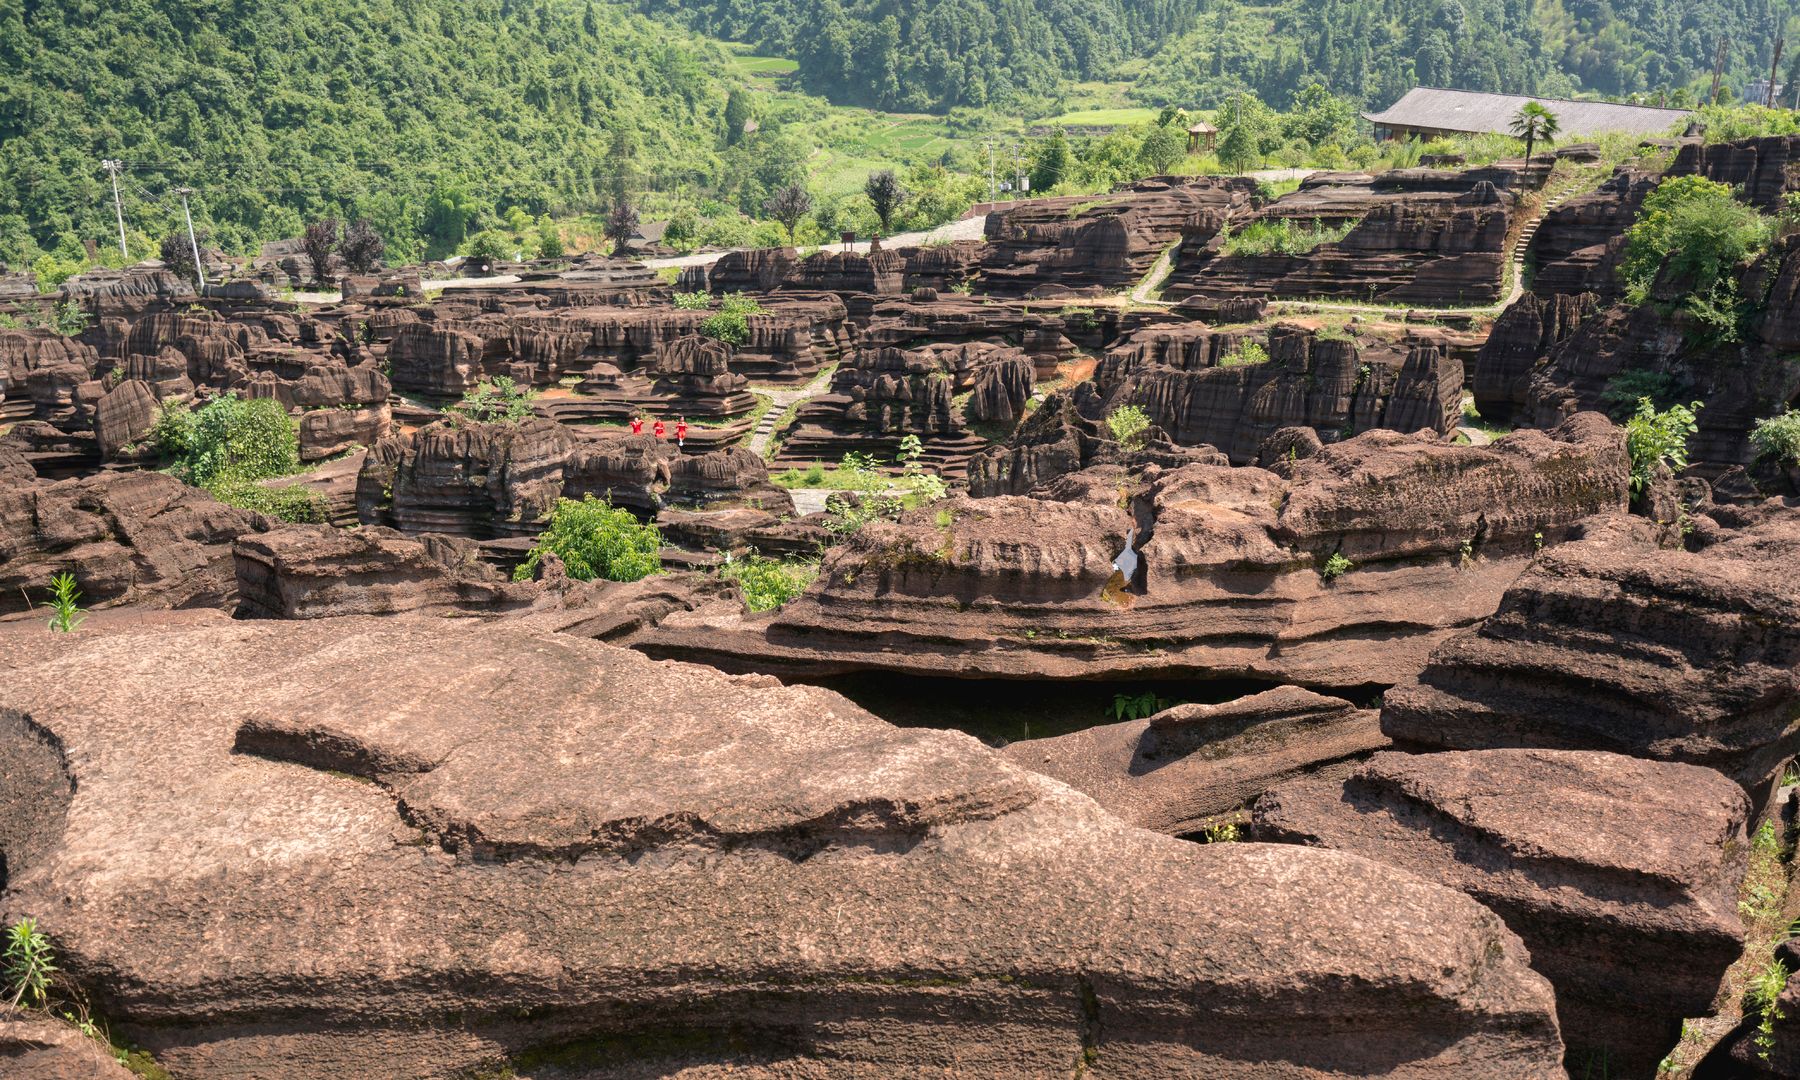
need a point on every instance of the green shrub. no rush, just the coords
(1335, 567)
(1137, 706)
(596, 540)
(231, 439)
(1653, 437)
(1248, 352)
(1624, 390)
(1282, 236)
(1778, 437)
(693, 301)
(489, 247)
(739, 304)
(1228, 832)
(70, 319)
(28, 963)
(769, 583)
(730, 327)
(496, 401)
(1129, 425)
(293, 504)
(173, 432)
(1702, 233)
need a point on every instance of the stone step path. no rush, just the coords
(780, 402)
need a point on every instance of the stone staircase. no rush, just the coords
(1576, 183)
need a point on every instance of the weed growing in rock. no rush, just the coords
(1136, 706)
(1129, 425)
(1762, 998)
(1653, 438)
(1778, 438)
(1248, 352)
(28, 964)
(1335, 567)
(596, 540)
(1283, 236)
(692, 301)
(768, 583)
(496, 401)
(65, 604)
(1226, 832)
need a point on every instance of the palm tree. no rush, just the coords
(1535, 124)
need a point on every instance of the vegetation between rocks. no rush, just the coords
(769, 583)
(596, 541)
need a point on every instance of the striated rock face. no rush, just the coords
(315, 572)
(1229, 582)
(1062, 437)
(1524, 333)
(848, 272)
(466, 478)
(1611, 644)
(1570, 251)
(1330, 385)
(37, 1046)
(1763, 167)
(546, 846)
(1190, 765)
(1411, 242)
(758, 270)
(125, 415)
(128, 537)
(1621, 875)
(1080, 244)
(943, 267)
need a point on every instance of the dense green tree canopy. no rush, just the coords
(420, 115)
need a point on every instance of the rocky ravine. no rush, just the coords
(321, 848)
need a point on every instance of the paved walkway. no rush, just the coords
(963, 229)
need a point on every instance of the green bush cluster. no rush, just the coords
(1129, 425)
(228, 441)
(769, 583)
(1654, 437)
(1778, 438)
(596, 541)
(731, 324)
(1283, 236)
(1696, 231)
(499, 400)
(1248, 352)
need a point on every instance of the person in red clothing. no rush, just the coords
(637, 425)
(658, 429)
(680, 430)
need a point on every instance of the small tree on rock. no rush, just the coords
(788, 205)
(178, 255)
(885, 195)
(319, 241)
(622, 223)
(1535, 124)
(362, 247)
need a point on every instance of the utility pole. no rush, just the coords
(1769, 98)
(113, 167)
(1718, 72)
(993, 192)
(199, 271)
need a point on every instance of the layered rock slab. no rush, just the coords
(1621, 874)
(451, 845)
(1187, 766)
(1614, 644)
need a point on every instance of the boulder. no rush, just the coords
(315, 572)
(1620, 874)
(466, 478)
(1524, 334)
(137, 538)
(1192, 765)
(473, 847)
(1614, 644)
(124, 416)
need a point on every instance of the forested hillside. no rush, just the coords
(420, 114)
(1374, 50)
(917, 55)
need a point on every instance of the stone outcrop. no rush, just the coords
(1412, 242)
(1620, 874)
(38, 1046)
(137, 538)
(1086, 245)
(848, 272)
(1574, 248)
(1234, 577)
(466, 478)
(1523, 335)
(1063, 436)
(469, 847)
(1613, 644)
(1187, 379)
(315, 572)
(1191, 765)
